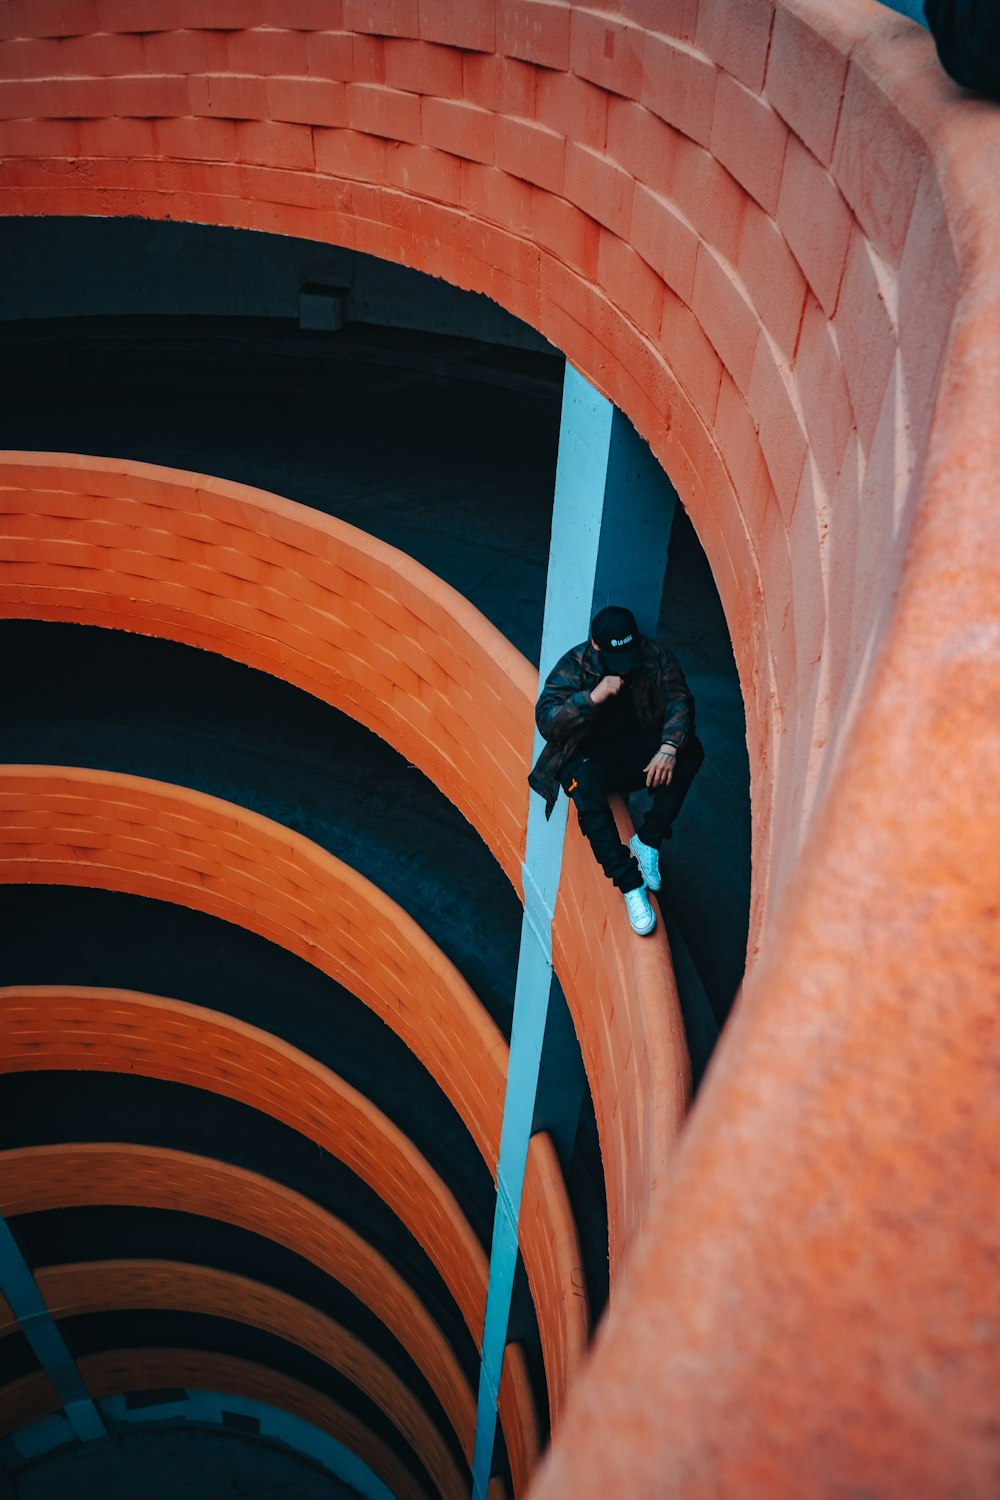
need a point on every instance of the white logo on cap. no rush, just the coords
(626, 640)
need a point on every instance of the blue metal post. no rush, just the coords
(28, 1307)
(611, 523)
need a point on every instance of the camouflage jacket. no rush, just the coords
(564, 713)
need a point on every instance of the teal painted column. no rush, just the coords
(611, 521)
(26, 1303)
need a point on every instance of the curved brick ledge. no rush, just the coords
(771, 236)
(117, 1371)
(127, 833)
(114, 1285)
(35, 1179)
(45, 1027)
(677, 200)
(277, 586)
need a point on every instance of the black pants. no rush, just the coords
(592, 774)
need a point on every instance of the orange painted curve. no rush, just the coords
(54, 1027)
(128, 833)
(117, 1371)
(642, 187)
(281, 587)
(275, 585)
(280, 884)
(35, 1179)
(752, 160)
(45, 1027)
(115, 1285)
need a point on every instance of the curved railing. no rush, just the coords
(37, 1179)
(155, 1037)
(308, 598)
(768, 233)
(115, 1285)
(664, 198)
(127, 833)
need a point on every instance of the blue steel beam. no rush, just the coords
(611, 522)
(26, 1303)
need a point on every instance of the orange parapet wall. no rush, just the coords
(770, 234)
(102, 1286)
(312, 600)
(673, 195)
(35, 1179)
(157, 1037)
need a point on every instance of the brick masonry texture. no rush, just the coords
(102, 1286)
(325, 606)
(789, 1298)
(160, 1038)
(41, 1178)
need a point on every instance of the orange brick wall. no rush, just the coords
(666, 195)
(118, 1031)
(768, 233)
(103, 1286)
(121, 1031)
(38, 1178)
(635, 1053)
(286, 589)
(124, 833)
(275, 585)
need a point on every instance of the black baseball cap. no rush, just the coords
(614, 632)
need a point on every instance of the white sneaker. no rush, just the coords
(640, 913)
(648, 860)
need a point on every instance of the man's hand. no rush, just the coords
(607, 688)
(660, 770)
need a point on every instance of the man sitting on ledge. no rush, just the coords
(618, 715)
